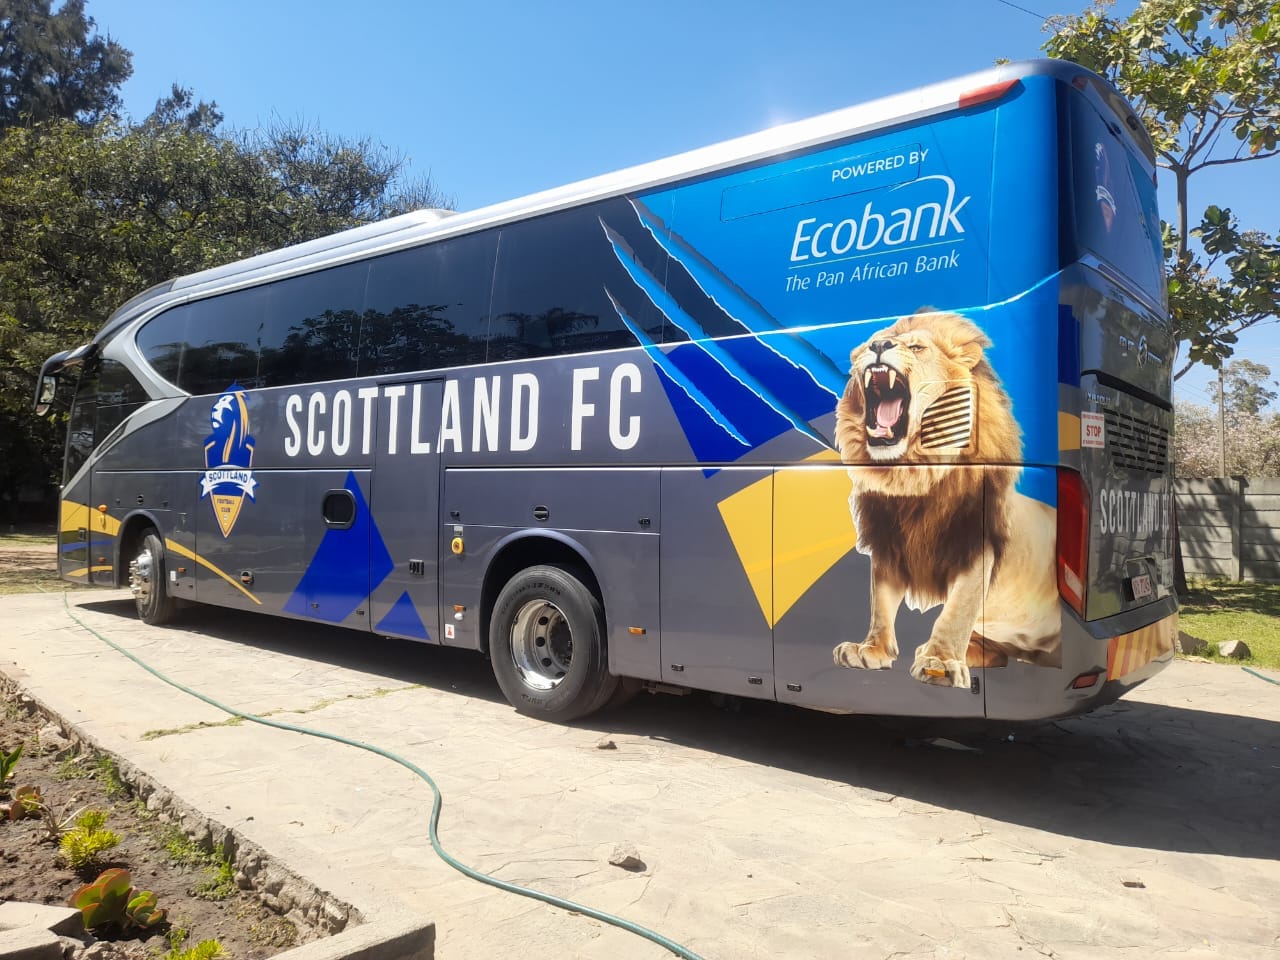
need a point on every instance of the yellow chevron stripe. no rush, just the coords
(75, 516)
(182, 551)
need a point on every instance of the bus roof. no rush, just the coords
(425, 225)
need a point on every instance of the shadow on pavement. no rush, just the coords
(440, 668)
(1131, 773)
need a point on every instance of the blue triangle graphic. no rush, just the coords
(402, 620)
(345, 564)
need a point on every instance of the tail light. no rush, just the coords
(992, 91)
(1073, 538)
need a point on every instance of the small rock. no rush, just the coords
(1235, 649)
(606, 744)
(1187, 644)
(627, 857)
(1134, 884)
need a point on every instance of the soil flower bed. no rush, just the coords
(195, 886)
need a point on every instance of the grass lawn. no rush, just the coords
(26, 539)
(28, 563)
(1218, 610)
(32, 581)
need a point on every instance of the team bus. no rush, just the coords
(865, 413)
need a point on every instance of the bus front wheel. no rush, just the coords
(547, 644)
(146, 581)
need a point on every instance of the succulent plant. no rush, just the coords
(112, 899)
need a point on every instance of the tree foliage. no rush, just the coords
(1247, 387)
(52, 66)
(94, 208)
(1252, 439)
(90, 216)
(1205, 79)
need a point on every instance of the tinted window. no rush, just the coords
(312, 327)
(84, 419)
(106, 394)
(223, 337)
(1115, 200)
(551, 290)
(428, 307)
(110, 417)
(163, 341)
(118, 385)
(119, 394)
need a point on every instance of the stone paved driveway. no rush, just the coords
(1148, 829)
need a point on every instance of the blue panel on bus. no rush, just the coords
(809, 256)
(709, 438)
(794, 386)
(733, 391)
(402, 620)
(887, 249)
(857, 172)
(347, 565)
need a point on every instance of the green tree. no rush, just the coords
(1205, 79)
(1247, 387)
(90, 216)
(1252, 442)
(54, 67)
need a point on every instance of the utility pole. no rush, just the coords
(1222, 427)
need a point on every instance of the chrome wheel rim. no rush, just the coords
(541, 644)
(141, 570)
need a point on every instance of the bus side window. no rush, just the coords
(223, 334)
(311, 329)
(428, 307)
(163, 341)
(552, 286)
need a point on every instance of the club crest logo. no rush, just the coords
(228, 458)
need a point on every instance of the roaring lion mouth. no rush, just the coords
(888, 405)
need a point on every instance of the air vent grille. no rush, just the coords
(1136, 444)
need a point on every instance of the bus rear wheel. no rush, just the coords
(547, 644)
(146, 581)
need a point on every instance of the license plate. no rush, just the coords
(1142, 587)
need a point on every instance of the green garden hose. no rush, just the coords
(436, 804)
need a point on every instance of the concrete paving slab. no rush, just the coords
(1147, 829)
(63, 921)
(30, 943)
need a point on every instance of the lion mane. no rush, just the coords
(932, 447)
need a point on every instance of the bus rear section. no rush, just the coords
(1115, 480)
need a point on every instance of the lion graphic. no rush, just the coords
(933, 449)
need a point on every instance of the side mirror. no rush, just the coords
(44, 398)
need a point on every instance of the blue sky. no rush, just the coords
(499, 98)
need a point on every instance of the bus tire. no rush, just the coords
(548, 647)
(147, 581)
